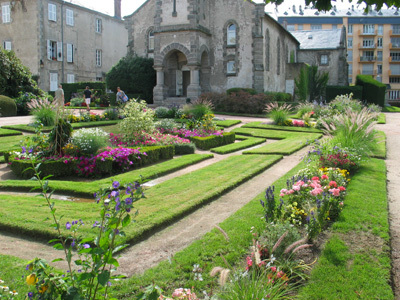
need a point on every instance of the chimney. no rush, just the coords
(294, 8)
(117, 9)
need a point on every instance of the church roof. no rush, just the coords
(318, 39)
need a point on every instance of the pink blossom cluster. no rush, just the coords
(194, 132)
(298, 123)
(181, 293)
(316, 186)
(146, 139)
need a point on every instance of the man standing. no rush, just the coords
(87, 94)
(59, 96)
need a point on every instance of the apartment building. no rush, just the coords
(62, 42)
(373, 40)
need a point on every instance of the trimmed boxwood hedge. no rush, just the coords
(373, 90)
(206, 143)
(336, 90)
(182, 149)
(154, 154)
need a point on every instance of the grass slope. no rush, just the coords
(8, 143)
(243, 144)
(164, 203)
(355, 263)
(86, 189)
(227, 123)
(283, 128)
(8, 132)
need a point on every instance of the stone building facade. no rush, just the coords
(62, 42)
(200, 46)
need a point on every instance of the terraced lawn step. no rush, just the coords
(283, 128)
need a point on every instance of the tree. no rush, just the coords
(134, 75)
(14, 76)
(311, 84)
(327, 4)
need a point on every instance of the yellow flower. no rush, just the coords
(31, 279)
(43, 288)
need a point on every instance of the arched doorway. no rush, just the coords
(177, 74)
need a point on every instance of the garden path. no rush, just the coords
(165, 243)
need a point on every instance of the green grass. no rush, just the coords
(2, 159)
(12, 271)
(8, 132)
(266, 133)
(8, 143)
(246, 143)
(381, 118)
(86, 189)
(283, 128)
(227, 123)
(355, 262)
(391, 109)
(164, 203)
(379, 150)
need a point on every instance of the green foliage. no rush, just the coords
(138, 120)
(278, 113)
(279, 96)
(47, 168)
(335, 90)
(134, 75)
(43, 111)
(112, 113)
(317, 82)
(238, 89)
(72, 88)
(246, 143)
(161, 112)
(213, 141)
(154, 154)
(8, 108)
(301, 83)
(14, 76)
(89, 140)
(373, 91)
(182, 149)
(59, 136)
(22, 103)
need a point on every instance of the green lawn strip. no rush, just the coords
(379, 150)
(265, 133)
(207, 252)
(355, 263)
(247, 143)
(12, 272)
(286, 146)
(284, 128)
(164, 203)
(28, 128)
(8, 143)
(9, 132)
(261, 116)
(86, 189)
(391, 109)
(381, 118)
(227, 123)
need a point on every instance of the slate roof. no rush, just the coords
(350, 12)
(318, 39)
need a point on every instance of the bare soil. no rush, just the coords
(165, 243)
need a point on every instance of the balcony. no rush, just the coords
(395, 73)
(361, 46)
(367, 59)
(394, 46)
(394, 60)
(371, 33)
(394, 33)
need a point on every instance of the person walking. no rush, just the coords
(121, 96)
(59, 97)
(87, 95)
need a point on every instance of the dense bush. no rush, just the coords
(22, 100)
(373, 91)
(14, 76)
(8, 108)
(71, 88)
(335, 90)
(279, 96)
(212, 141)
(55, 168)
(161, 112)
(135, 75)
(238, 89)
(89, 140)
(238, 102)
(139, 119)
(154, 154)
(182, 149)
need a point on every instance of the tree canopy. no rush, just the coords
(327, 4)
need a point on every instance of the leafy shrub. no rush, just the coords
(238, 89)
(43, 111)
(56, 167)
(278, 113)
(196, 110)
(22, 103)
(279, 96)
(373, 90)
(111, 113)
(161, 112)
(89, 140)
(182, 149)
(77, 101)
(344, 102)
(8, 108)
(332, 91)
(166, 124)
(208, 142)
(138, 119)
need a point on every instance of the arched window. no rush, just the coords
(151, 40)
(231, 35)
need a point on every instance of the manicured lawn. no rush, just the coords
(164, 203)
(391, 109)
(381, 118)
(8, 132)
(8, 143)
(284, 128)
(355, 262)
(380, 150)
(86, 189)
(266, 133)
(246, 143)
(12, 272)
(227, 123)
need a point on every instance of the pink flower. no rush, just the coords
(315, 178)
(324, 176)
(342, 188)
(316, 191)
(341, 203)
(333, 183)
(335, 192)
(296, 188)
(273, 269)
(249, 262)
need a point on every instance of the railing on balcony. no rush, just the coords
(394, 46)
(394, 73)
(361, 32)
(394, 32)
(361, 46)
(367, 58)
(394, 59)
(368, 72)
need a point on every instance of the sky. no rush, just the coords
(129, 6)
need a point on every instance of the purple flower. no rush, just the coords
(30, 295)
(68, 225)
(23, 150)
(118, 206)
(114, 193)
(73, 244)
(128, 201)
(86, 246)
(115, 184)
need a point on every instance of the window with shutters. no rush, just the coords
(70, 78)
(53, 81)
(52, 12)
(69, 17)
(7, 45)
(98, 58)
(54, 50)
(70, 53)
(6, 13)
(98, 25)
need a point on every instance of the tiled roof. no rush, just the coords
(318, 39)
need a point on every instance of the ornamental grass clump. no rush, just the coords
(43, 111)
(278, 113)
(91, 262)
(89, 140)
